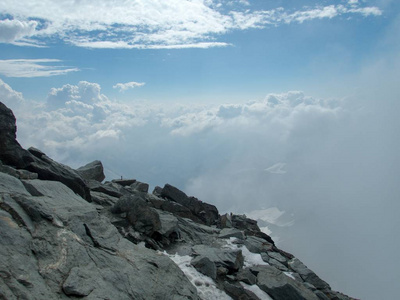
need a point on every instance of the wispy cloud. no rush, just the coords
(151, 24)
(33, 68)
(129, 85)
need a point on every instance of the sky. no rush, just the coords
(247, 105)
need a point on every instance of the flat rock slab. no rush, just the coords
(227, 233)
(280, 286)
(307, 275)
(230, 259)
(10, 184)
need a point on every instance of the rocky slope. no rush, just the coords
(65, 234)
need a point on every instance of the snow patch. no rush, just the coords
(205, 286)
(257, 291)
(250, 259)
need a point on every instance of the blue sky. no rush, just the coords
(244, 104)
(231, 49)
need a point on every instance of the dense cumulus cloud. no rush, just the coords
(151, 24)
(330, 164)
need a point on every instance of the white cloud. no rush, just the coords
(14, 30)
(128, 85)
(33, 68)
(342, 155)
(150, 24)
(277, 168)
(10, 97)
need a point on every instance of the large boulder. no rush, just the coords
(207, 213)
(205, 266)
(230, 259)
(92, 171)
(11, 153)
(48, 169)
(307, 275)
(35, 161)
(280, 286)
(143, 218)
(257, 245)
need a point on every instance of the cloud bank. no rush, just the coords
(153, 24)
(332, 163)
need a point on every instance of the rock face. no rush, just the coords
(92, 171)
(56, 244)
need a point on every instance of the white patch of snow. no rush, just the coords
(205, 286)
(250, 259)
(289, 274)
(257, 291)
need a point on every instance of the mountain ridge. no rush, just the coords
(65, 234)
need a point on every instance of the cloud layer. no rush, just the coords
(333, 163)
(33, 68)
(150, 23)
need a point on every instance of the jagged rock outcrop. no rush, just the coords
(92, 171)
(33, 160)
(55, 244)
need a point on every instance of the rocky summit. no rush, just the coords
(65, 234)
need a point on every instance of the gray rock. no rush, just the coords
(172, 207)
(243, 223)
(206, 212)
(81, 254)
(17, 173)
(127, 203)
(106, 188)
(80, 281)
(124, 182)
(157, 191)
(140, 186)
(10, 184)
(19, 215)
(103, 199)
(231, 232)
(205, 266)
(307, 275)
(279, 257)
(48, 169)
(225, 221)
(169, 224)
(11, 153)
(194, 233)
(144, 219)
(257, 245)
(20, 276)
(280, 286)
(92, 171)
(273, 262)
(236, 291)
(322, 296)
(246, 276)
(230, 259)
